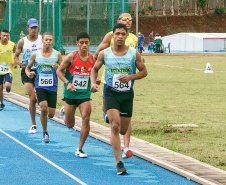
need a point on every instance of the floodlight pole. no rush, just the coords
(40, 16)
(123, 7)
(10, 17)
(88, 5)
(137, 6)
(113, 13)
(53, 22)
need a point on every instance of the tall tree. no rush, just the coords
(180, 4)
(143, 3)
(172, 7)
(187, 7)
(222, 3)
(164, 7)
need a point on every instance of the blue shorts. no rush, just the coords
(6, 78)
(104, 89)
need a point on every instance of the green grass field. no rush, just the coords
(176, 91)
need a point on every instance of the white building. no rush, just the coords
(196, 42)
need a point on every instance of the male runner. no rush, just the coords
(77, 66)
(120, 62)
(131, 40)
(7, 63)
(28, 45)
(46, 81)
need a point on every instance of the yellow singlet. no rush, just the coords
(131, 40)
(6, 56)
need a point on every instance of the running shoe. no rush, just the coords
(32, 129)
(2, 106)
(105, 116)
(45, 138)
(80, 153)
(121, 170)
(127, 153)
(62, 111)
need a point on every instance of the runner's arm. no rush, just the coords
(17, 54)
(56, 65)
(60, 71)
(28, 71)
(103, 45)
(14, 64)
(94, 72)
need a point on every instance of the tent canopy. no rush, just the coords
(196, 42)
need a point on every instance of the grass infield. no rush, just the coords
(176, 91)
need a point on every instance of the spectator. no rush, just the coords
(158, 43)
(140, 42)
(151, 43)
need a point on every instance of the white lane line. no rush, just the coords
(185, 68)
(41, 156)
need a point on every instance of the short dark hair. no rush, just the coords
(5, 30)
(82, 35)
(119, 25)
(46, 33)
(123, 13)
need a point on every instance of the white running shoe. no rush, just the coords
(32, 129)
(80, 153)
(62, 111)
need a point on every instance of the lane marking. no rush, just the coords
(185, 68)
(42, 157)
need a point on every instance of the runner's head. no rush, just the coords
(83, 41)
(119, 34)
(125, 18)
(47, 39)
(32, 27)
(4, 35)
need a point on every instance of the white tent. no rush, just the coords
(196, 42)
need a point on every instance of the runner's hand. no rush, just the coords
(31, 74)
(94, 88)
(124, 78)
(23, 65)
(55, 66)
(70, 87)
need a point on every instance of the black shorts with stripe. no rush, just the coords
(120, 100)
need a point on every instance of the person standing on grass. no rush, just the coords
(28, 45)
(46, 81)
(120, 63)
(77, 66)
(7, 63)
(131, 40)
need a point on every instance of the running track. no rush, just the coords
(24, 159)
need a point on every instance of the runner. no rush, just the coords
(131, 40)
(77, 66)
(7, 64)
(120, 62)
(28, 45)
(46, 82)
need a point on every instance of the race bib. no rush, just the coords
(80, 82)
(119, 85)
(4, 68)
(45, 80)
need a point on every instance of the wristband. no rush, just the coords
(66, 83)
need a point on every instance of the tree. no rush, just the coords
(180, 4)
(164, 7)
(187, 6)
(172, 7)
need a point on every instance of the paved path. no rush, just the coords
(173, 161)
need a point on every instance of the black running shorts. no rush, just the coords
(76, 102)
(120, 100)
(25, 78)
(46, 95)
